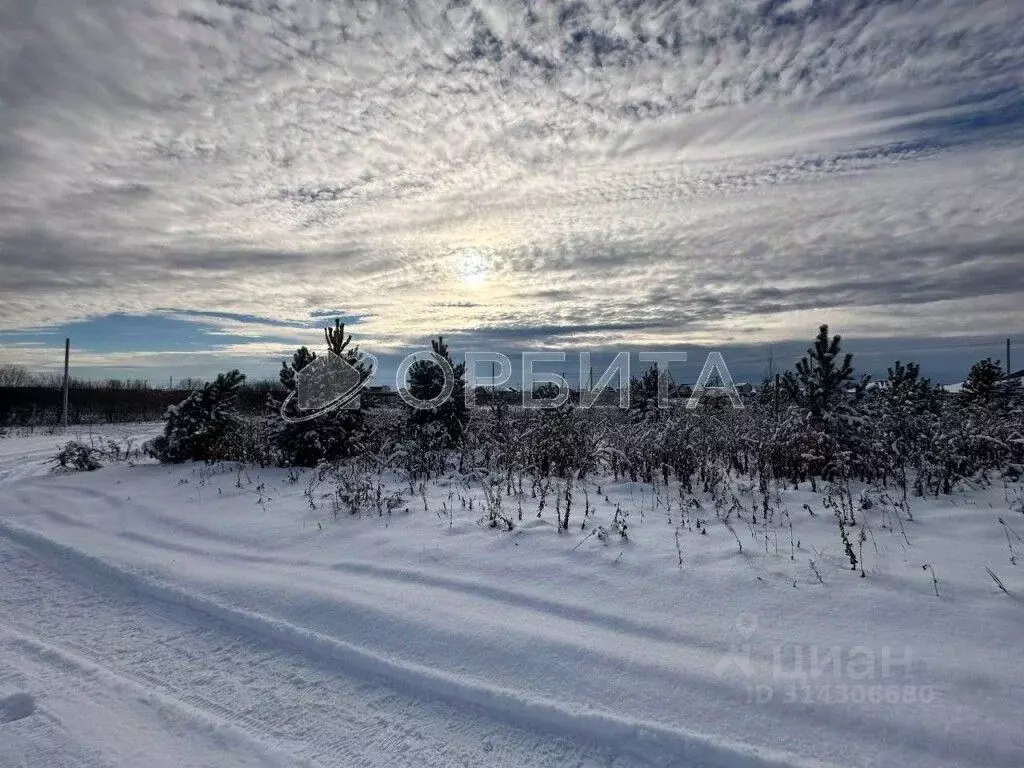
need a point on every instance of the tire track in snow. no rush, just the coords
(643, 742)
(26, 464)
(31, 461)
(80, 679)
(370, 586)
(286, 700)
(581, 614)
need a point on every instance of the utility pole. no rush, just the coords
(67, 360)
(1009, 366)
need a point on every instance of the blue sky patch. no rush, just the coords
(121, 332)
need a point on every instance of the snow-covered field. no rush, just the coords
(205, 616)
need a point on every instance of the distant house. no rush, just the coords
(958, 386)
(380, 393)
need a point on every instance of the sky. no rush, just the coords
(192, 186)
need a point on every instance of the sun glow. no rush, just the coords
(472, 267)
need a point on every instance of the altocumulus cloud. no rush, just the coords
(628, 172)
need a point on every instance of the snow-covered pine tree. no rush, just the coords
(300, 359)
(988, 387)
(907, 391)
(984, 429)
(338, 343)
(824, 431)
(426, 381)
(201, 427)
(902, 415)
(643, 394)
(329, 437)
(821, 384)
